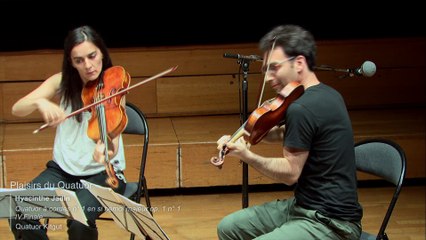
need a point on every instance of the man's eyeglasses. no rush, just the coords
(273, 67)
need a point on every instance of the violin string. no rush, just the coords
(100, 111)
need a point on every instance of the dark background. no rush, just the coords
(32, 25)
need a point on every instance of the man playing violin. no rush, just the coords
(75, 155)
(318, 153)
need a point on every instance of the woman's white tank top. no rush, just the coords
(73, 149)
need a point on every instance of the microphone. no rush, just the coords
(239, 57)
(367, 69)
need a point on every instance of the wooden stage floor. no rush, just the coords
(196, 216)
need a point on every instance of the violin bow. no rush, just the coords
(123, 91)
(262, 88)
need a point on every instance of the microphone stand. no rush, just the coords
(245, 64)
(367, 69)
(348, 72)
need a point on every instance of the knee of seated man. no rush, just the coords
(226, 225)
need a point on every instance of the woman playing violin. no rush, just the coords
(317, 153)
(75, 155)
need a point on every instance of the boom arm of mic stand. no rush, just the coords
(348, 72)
(325, 68)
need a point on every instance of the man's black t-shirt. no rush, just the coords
(318, 121)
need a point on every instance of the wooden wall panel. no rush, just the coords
(21, 166)
(202, 95)
(144, 96)
(12, 92)
(25, 154)
(139, 62)
(161, 169)
(207, 83)
(205, 95)
(385, 53)
(191, 60)
(197, 137)
(20, 137)
(197, 171)
(30, 65)
(196, 60)
(387, 88)
(414, 148)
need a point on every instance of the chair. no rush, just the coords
(137, 124)
(385, 159)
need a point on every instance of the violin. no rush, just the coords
(109, 117)
(263, 119)
(271, 113)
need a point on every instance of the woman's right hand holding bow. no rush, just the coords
(51, 112)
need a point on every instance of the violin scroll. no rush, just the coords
(112, 179)
(220, 159)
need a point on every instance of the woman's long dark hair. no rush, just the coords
(71, 84)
